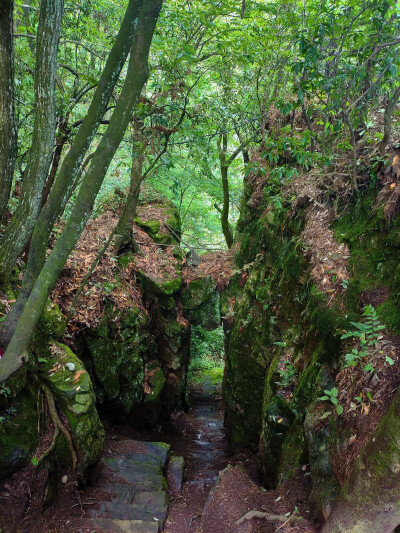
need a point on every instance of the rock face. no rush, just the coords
(284, 313)
(18, 434)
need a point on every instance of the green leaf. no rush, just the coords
(339, 409)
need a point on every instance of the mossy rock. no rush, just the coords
(170, 233)
(18, 431)
(277, 420)
(325, 485)
(197, 293)
(294, 453)
(51, 324)
(207, 315)
(116, 357)
(72, 388)
(12, 387)
(151, 286)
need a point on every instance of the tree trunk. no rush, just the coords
(20, 228)
(388, 120)
(136, 76)
(224, 165)
(66, 178)
(124, 235)
(369, 501)
(8, 137)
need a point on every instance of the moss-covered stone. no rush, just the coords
(51, 324)
(115, 356)
(18, 431)
(197, 292)
(154, 287)
(369, 501)
(72, 388)
(325, 486)
(168, 233)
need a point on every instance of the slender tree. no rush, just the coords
(20, 228)
(8, 137)
(69, 171)
(136, 76)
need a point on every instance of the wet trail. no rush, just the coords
(199, 437)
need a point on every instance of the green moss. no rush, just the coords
(18, 432)
(294, 452)
(153, 287)
(73, 390)
(156, 382)
(389, 313)
(197, 292)
(51, 325)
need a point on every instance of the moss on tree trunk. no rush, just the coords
(20, 228)
(8, 137)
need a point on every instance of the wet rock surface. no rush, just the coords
(135, 487)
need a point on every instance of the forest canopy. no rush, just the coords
(99, 99)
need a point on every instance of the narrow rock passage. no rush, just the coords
(199, 437)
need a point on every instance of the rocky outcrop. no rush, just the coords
(304, 277)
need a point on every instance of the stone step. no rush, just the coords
(110, 525)
(128, 494)
(146, 464)
(121, 492)
(141, 481)
(175, 474)
(126, 511)
(158, 449)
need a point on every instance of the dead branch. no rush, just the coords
(272, 518)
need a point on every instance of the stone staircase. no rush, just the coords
(136, 495)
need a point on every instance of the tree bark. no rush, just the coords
(66, 178)
(136, 76)
(20, 228)
(8, 137)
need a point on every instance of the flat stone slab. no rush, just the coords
(125, 526)
(175, 474)
(126, 511)
(150, 465)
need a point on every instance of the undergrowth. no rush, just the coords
(206, 349)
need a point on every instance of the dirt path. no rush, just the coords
(199, 437)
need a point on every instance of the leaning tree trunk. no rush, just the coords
(20, 228)
(8, 136)
(124, 233)
(66, 177)
(369, 501)
(136, 76)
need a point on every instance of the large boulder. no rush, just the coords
(201, 303)
(72, 388)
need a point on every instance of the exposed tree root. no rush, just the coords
(58, 426)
